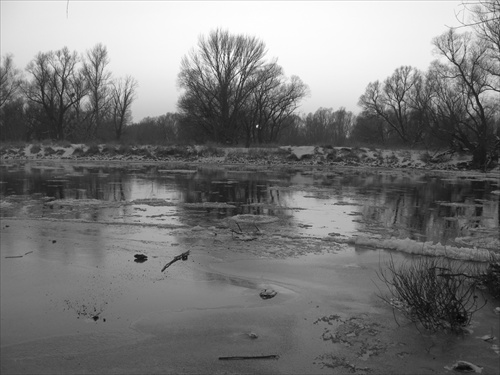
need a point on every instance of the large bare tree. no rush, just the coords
(465, 58)
(123, 95)
(327, 126)
(271, 104)
(10, 80)
(11, 102)
(57, 86)
(217, 81)
(394, 100)
(484, 17)
(97, 79)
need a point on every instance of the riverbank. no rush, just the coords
(315, 156)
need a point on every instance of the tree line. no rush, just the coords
(64, 96)
(455, 102)
(232, 94)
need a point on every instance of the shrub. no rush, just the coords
(392, 159)
(123, 149)
(332, 155)
(35, 149)
(92, 150)
(63, 143)
(109, 149)
(490, 279)
(49, 151)
(78, 151)
(259, 153)
(426, 157)
(141, 151)
(436, 292)
(211, 150)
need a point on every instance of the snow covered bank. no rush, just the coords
(287, 155)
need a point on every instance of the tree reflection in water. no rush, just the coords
(424, 206)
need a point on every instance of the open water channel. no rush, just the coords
(69, 232)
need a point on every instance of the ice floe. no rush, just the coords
(428, 248)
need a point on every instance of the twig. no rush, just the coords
(182, 256)
(458, 274)
(272, 356)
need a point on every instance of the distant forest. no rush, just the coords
(233, 95)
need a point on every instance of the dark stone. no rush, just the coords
(267, 294)
(140, 258)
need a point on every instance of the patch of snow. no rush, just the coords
(5, 204)
(301, 151)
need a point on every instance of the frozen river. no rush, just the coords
(445, 208)
(75, 301)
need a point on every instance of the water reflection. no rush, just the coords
(420, 206)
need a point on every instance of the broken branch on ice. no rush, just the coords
(183, 256)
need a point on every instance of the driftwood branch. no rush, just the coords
(183, 256)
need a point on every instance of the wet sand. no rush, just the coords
(74, 301)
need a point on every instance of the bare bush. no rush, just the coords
(438, 293)
(489, 279)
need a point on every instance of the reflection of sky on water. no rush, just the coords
(322, 215)
(418, 205)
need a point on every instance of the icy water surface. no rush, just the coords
(437, 207)
(75, 301)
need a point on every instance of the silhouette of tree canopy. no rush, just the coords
(228, 87)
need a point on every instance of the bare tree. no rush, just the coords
(317, 127)
(394, 100)
(168, 124)
(123, 95)
(217, 81)
(255, 114)
(271, 104)
(464, 58)
(327, 126)
(10, 80)
(484, 17)
(97, 79)
(285, 100)
(56, 85)
(369, 128)
(343, 124)
(12, 124)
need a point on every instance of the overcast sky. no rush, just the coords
(335, 47)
